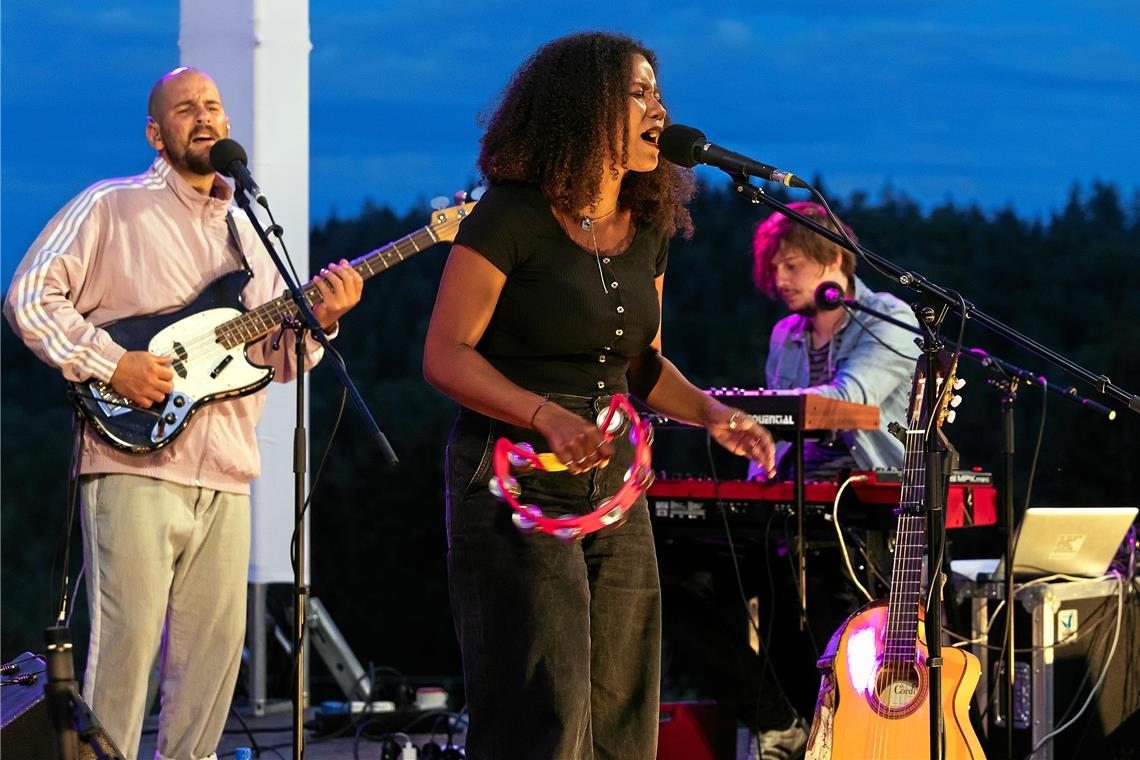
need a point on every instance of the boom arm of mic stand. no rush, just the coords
(997, 364)
(318, 334)
(1008, 370)
(920, 284)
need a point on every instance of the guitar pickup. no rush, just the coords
(221, 366)
(179, 363)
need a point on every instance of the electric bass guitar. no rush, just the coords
(206, 341)
(874, 699)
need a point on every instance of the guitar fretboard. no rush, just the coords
(901, 635)
(265, 318)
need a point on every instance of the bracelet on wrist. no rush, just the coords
(534, 414)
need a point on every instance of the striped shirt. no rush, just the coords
(139, 246)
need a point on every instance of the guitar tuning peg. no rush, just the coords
(950, 415)
(955, 401)
(460, 197)
(477, 193)
(960, 383)
(440, 202)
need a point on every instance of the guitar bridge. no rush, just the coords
(110, 403)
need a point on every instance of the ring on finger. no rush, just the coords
(735, 420)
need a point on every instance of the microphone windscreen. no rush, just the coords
(678, 144)
(224, 153)
(828, 296)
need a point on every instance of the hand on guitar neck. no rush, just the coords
(340, 287)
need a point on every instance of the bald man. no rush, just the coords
(166, 533)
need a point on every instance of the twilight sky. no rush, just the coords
(999, 103)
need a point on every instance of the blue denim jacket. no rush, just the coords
(864, 371)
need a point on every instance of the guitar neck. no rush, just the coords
(264, 319)
(910, 541)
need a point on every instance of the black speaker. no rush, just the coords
(26, 731)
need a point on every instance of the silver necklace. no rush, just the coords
(587, 222)
(597, 256)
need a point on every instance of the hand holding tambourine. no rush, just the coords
(576, 452)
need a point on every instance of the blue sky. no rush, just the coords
(999, 103)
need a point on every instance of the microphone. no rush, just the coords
(981, 355)
(829, 296)
(686, 146)
(228, 159)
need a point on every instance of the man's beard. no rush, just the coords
(187, 158)
(807, 310)
(197, 163)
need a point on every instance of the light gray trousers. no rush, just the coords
(166, 565)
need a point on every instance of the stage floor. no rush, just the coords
(273, 734)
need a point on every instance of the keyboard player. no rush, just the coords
(833, 353)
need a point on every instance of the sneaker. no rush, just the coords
(780, 744)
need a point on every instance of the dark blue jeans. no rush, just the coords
(561, 643)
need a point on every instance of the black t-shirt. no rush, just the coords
(555, 329)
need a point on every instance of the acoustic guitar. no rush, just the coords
(874, 670)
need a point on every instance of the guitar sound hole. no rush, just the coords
(899, 690)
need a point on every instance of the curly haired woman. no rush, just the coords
(550, 302)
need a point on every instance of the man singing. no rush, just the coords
(165, 534)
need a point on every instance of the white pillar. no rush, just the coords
(258, 53)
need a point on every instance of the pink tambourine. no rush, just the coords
(529, 517)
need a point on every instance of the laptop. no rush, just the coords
(1077, 541)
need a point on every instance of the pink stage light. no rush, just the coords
(862, 661)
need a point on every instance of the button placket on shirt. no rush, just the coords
(618, 310)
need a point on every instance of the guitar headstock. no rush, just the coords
(946, 371)
(444, 222)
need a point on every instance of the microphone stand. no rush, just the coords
(305, 321)
(71, 721)
(931, 318)
(60, 690)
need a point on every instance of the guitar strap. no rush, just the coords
(232, 225)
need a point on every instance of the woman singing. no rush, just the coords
(550, 302)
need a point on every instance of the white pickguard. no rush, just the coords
(209, 368)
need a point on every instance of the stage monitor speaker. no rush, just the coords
(26, 731)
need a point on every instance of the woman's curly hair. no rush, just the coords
(553, 125)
